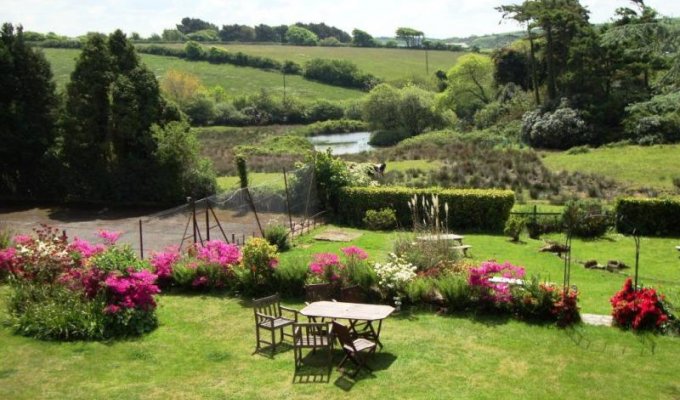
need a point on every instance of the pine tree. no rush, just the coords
(27, 103)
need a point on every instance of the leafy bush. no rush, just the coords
(428, 256)
(380, 220)
(652, 217)
(656, 120)
(278, 236)
(323, 110)
(290, 276)
(260, 259)
(545, 302)
(384, 138)
(561, 129)
(456, 292)
(334, 126)
(469, 208)
(339, 73)
(586, 218)
(514, 227)
(300, 36)
(542, 225)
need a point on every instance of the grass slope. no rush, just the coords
(634, 166)
(237, 81)
(388, 64)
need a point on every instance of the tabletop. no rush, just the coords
(352, 311)
(444, 236)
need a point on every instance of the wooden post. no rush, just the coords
(285, 182)
(219, 225)
(233, 238)
(193, 218)
(141, 241)
(207, 224)
(252, 205)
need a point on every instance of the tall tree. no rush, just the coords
(86, 138)
(412, 37)
(190, 25)
(362, 39)
(112, 102)
(27, 102)
(560, 21)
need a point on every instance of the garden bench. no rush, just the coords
(464, 248)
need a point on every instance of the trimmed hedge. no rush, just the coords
(650, 217)
(475, 209)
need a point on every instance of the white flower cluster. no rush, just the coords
(394, 274)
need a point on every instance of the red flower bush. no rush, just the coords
(640, 309)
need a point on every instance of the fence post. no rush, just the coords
(285, 182)
(193, 217)
(141, 241)
(207, 224)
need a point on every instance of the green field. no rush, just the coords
(271, 179)
(635, 167)
(388, 64)
(237, 81)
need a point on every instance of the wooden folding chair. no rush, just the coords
(353, 348)
(313, 336)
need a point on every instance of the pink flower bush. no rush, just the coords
(218, 252)
(7, 257)
(109, 238)
(22, 240)
(326, 267)
(85, 248)
(497, 292)
(163, 262)
(354, 252)
(136, 290)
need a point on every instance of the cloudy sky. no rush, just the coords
(437, 18)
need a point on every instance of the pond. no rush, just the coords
(343, 143)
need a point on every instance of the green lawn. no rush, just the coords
(423, 165)
(203, 346)
(388, 64)
(237, 81)
(274, 179)
(633, 166)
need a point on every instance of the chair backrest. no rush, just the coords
(344, 337)
(312, 334)
(269, 305)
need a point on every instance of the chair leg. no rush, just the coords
(273, 342)
(257, 337)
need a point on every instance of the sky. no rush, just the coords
(436, 18)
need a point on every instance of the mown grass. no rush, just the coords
(273, 179)
(388, 64)
(203, 347)
(634, 166)
(237, 81)
(423, 165)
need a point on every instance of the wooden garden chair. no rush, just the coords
(313, 336)
(353, 348)
(269, 316)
